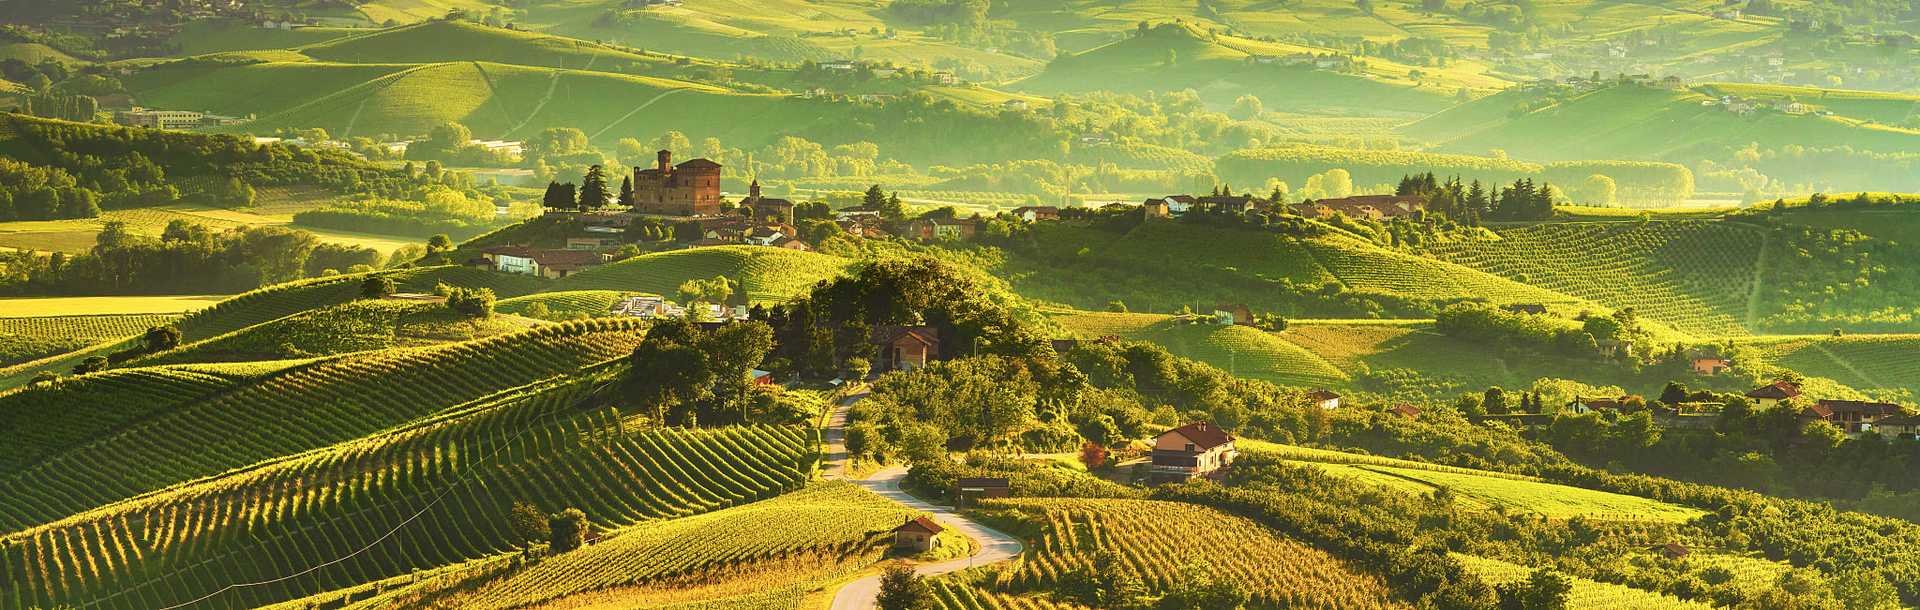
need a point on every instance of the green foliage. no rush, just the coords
(902, 589)
(567, 530)
(470, 302)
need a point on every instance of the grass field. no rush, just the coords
(767, 274)
(275, 206)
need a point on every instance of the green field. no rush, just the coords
(32, 338)
(1586, 593)
(275, 206)
(1241, 350)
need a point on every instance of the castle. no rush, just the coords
(687, 189)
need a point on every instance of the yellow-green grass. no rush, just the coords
(446, 41)
(1483, 489)
(1067, 534)
(766, 274)
(1242, 350)
(1697, 276)
(75, 236)
(299, 409)
(24, 307)
(1162, 266)
(407, 11)
(33, 53)
(824, 529)
(1586, 593)
(1881, 106)
(1222, 72)
(1634, 122)
(352, 327)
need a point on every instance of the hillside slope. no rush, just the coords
(767, 274)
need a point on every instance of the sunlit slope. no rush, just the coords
(445, 41)
(1241, 350)
(301, 408)
(1635, 122)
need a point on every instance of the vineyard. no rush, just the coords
(1586, 593)
(1696, 276)
(1359, 266)
(565, 303)
(1294, 163)
(950, 594)
(351, 327)
(427, 495)
(826, 525)
(302, 408)
(1866, 362)
(1238, 349)
(44, 419)
(767, 274)
(29, 339)
(1154, 539)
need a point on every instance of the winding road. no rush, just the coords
(995, 547)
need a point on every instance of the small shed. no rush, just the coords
(1672, 550)
(916, 534)
(971, 489)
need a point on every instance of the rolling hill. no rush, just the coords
(1240, 350)
(352, 327)
(766, 274)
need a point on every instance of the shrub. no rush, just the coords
(376, 287)
(567, 530)
(472, 302)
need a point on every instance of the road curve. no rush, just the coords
(995, 546)
(861, 594)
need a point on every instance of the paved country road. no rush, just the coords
(860, 594)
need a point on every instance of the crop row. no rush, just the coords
(300, 409)
(46, 418)
(950, 595)
(97, 327)
(425, 496)
(1154, 541)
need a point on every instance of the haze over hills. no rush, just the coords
(959, 304)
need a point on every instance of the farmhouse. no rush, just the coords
(905, 348)
(927, 229)
(1232, 314)
(1904, 427)
(1376, 206)
(1771, 395)
(551, 264)
(1037, 213)
(1851, 416)
(687, 189)
(1405, 410)
(1672, 550)
(1155, 208)
(1227, 204)
(916, 535)
(1198, 449)
(1325, 399)
(1710, 365)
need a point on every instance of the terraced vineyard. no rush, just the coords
(303, 408)
(1696, 276)
(44, 419)
(1361, 266)
(1153, 539)
(1240, 349)
(767, 274)
(951, 595)
(827, 525)
(351, 327)
(428, 495)
(564, 303)
(33, 338)
(1866, 362)
(1586, 593)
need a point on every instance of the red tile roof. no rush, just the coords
(1778, 390)
(1320, 395)
(1203, 434)
(1864, 408)
(920, 524)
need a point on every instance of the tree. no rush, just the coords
(594, 193)
(626, 191)
(376, 287)
(902, 589)
(630, 152)
(1598, 189)
(1546, 589)
(160, 339)
(527, 523)
(439, 243)
(1247, 107)
(855, 369)
(673, 141)
(567, 530)
(92, 364)
(1495, 401)
(1198, 585)
(1338, 183)
(715, 290)
(471, 302)
(1865, 590)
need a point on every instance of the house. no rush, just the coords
(1404, 410)
(1016, 105)
(1227, 204)
(1325, 399)
(1903, 427)
(1710, 365)
(905, 348)
(971, 489)
(687, 189)
(1672, 83)
(946, 78)
(1037, 213)
(1851, 416)
(790, 243)
(1797, 108)
(1376, 206)
(592, 243)
(1771, 395)
(158, 119)
(1672, 550)
(839, 65)
(1233, 314)
(1582, 406)
(1156, 208)
(1198, 449)
(942, 228)
(760, 377)
(916, 535)
(551, 264)
(1535, 309)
